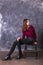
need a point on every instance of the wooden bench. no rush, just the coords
(35, 49)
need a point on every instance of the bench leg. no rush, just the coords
(25, 50)
(36, 52)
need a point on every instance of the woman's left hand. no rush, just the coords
(35, 42)
(18, 38)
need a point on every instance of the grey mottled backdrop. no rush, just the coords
(12, 13)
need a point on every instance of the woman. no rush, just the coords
(28, 37)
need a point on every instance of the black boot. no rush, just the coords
(20, 52)
(7, 58)
(19, 56)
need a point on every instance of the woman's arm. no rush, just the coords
(34, 35)
(23, 36)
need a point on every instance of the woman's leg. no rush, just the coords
(18, 43)
(13, 48)
(27, 41)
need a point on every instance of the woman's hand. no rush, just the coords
(18, 38)
(35, 43)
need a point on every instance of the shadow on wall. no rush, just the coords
(40, 39)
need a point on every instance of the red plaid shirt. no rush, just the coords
(29, 33)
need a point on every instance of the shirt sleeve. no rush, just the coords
(34, 34)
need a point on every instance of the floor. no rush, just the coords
(23, 61)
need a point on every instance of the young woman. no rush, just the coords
(28, 37)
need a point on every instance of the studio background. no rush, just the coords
(12, 13)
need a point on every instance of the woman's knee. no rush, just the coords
(18, 39)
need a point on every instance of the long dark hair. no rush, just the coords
(24, 26)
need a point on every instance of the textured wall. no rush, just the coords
(12, 13)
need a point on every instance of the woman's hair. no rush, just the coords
(24, 26)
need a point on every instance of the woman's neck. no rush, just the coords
(28, 27)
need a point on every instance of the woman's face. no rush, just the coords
(28, 23)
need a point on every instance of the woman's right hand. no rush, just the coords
(18, 38)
